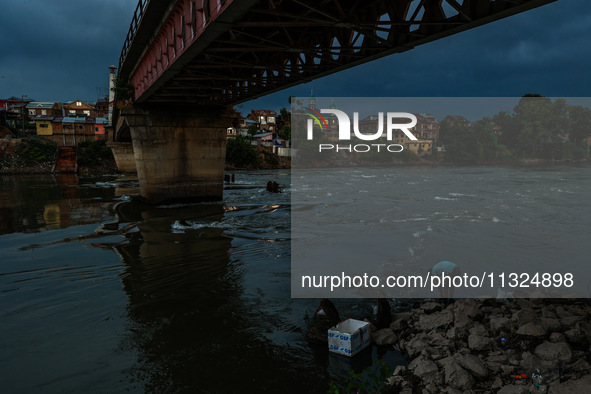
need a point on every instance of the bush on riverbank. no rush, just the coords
(94, 153)
(239, 152)
(36, 150)
(26, 155)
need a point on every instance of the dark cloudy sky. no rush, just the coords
(58, 50)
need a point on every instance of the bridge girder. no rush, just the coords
(227, 52)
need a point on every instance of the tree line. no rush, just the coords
(538, 128)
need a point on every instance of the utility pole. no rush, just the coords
(23, 111)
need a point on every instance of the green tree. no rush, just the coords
(579, 125)
(285, 114)
(252, 130)
(92, 153)
(532, 115)
(240, 152)
(285, 132)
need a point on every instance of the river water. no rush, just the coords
(496, 222)
(102, 294)
(99, 293)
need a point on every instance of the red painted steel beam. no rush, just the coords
(249, 48)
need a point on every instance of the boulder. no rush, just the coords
(415, 346)
(437, 339)
(577, 310)
(497, 358)
(557, 337)
(433, 353)
(478, 342)
(399, 370)
(511, 389)
(434, 320)
(582, 385)
(532, 329)
(384, 336)
(465, 313)
(457, 377)
(554, 351)
(424, 368)
(550, 324)
(399, 325)
(561, 312)
(499, 323)
(496, 384)
(524, 316)
(473, 365)
(570, 321)
(479, 330)
(575, 335)
(431, 306)
(585, 328)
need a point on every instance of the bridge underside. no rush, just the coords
(250, 48)
(202, 56)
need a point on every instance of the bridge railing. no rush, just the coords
(135, 22)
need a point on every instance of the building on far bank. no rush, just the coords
(41, 108)
(265, 139)
(427, 126)
(457, 120)
(265, 119)
(102, 107)
(70, 131)
(79, 109)
(13, 110)
(43, 124)
(231, 132)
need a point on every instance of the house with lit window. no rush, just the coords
(265, 119)
(78, 109)
(39, 108)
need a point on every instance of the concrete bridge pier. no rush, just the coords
(124, 157)
(179, 152)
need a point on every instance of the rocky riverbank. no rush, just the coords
(26, 156)
(492, 346)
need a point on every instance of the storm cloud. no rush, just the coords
(60, 50)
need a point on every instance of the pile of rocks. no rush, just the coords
(492, 346)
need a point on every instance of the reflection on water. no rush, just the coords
(102, 294)
(39, 203)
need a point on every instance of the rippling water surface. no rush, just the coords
(102, 294)
(400, 221)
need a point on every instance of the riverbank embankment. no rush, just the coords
(27, 156)
(493, 346)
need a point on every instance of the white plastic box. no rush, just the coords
(349, 337)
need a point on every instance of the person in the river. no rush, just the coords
(273, 187)
(447, 269)
(325, 317)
